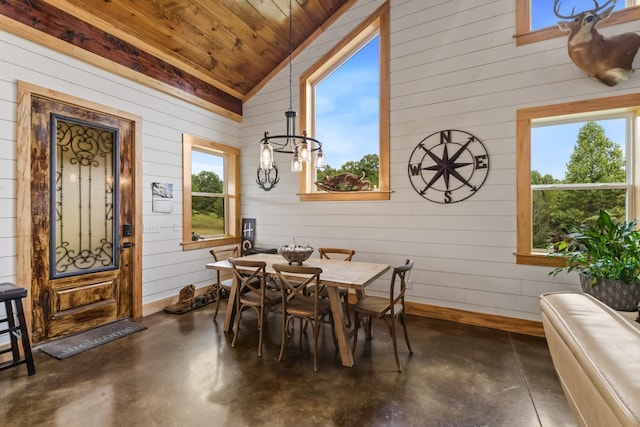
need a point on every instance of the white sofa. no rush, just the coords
(596, 353)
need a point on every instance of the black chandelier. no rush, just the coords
(301, 147)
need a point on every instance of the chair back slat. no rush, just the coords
(246, 273)
(296, 281)
(399, 280)
(300, 288)
(223, 253)
(336, 253)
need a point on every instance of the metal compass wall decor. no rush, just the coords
(448, 166)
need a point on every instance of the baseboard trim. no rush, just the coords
(493, 321)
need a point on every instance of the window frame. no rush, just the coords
(376, 24)
(231, 192)
(524, 35)
(524, 117)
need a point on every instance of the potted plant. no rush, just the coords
(607, 257)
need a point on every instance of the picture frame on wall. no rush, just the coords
(162, 196)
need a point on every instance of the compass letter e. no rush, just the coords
(482, 161)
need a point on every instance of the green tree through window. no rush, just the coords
(557, 204)
(207, 205)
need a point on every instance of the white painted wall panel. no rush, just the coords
(454, 64)
(165, 267)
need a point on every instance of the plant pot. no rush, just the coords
(616, 294)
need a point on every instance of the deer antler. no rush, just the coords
(556, 10)
(599, 8)
(596, 9)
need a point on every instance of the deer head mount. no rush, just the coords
(607, 59)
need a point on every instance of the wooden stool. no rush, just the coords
(10, 295)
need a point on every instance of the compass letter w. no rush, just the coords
(415, 169)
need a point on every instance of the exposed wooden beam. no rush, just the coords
(38, 17)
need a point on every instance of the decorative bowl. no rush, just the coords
(295, 253)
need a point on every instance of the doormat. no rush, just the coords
(72, 345)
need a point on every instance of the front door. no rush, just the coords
(82, 215)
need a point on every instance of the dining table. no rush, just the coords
(336, 275)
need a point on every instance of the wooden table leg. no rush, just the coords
(338, 323)
(228, 318)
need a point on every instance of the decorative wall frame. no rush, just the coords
(162, 196)
(248, 235)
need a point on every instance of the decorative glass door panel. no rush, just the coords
(82, 216)
(84, 171)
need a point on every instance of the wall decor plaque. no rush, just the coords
(448, 166)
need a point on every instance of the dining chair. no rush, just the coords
(298, 302)
(252, 293)
(224, 279)
(343, 254)
(389, 309)
(336, 253)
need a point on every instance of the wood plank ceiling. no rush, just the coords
(221, 51)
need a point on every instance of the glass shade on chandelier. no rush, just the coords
(301, 147)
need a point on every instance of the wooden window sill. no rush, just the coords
(349, 196)
(209, 243)
(541, 260)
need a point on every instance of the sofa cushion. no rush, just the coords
(596, 353)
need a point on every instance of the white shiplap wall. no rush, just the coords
(454, 65)
(166, 268)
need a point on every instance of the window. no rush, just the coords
(368, 43)
(573, 160)
(535, 20)
(210, 200)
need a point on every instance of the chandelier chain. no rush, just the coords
(301, 146)
(290, 55)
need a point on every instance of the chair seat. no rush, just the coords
(9, 291)
(250, 298)
(300, 307)
(11, 297)
(375, 306)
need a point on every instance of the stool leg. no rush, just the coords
(26, 344)
(11, 321)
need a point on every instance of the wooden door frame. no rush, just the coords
(24, 251)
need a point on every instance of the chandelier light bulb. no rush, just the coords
(304, 152)
(319, 159)
(266, 156)
(296, 164)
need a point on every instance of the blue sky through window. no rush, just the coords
(347, 108)
(552, 146)
(201, 161)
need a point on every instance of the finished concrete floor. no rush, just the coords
(182, 371)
